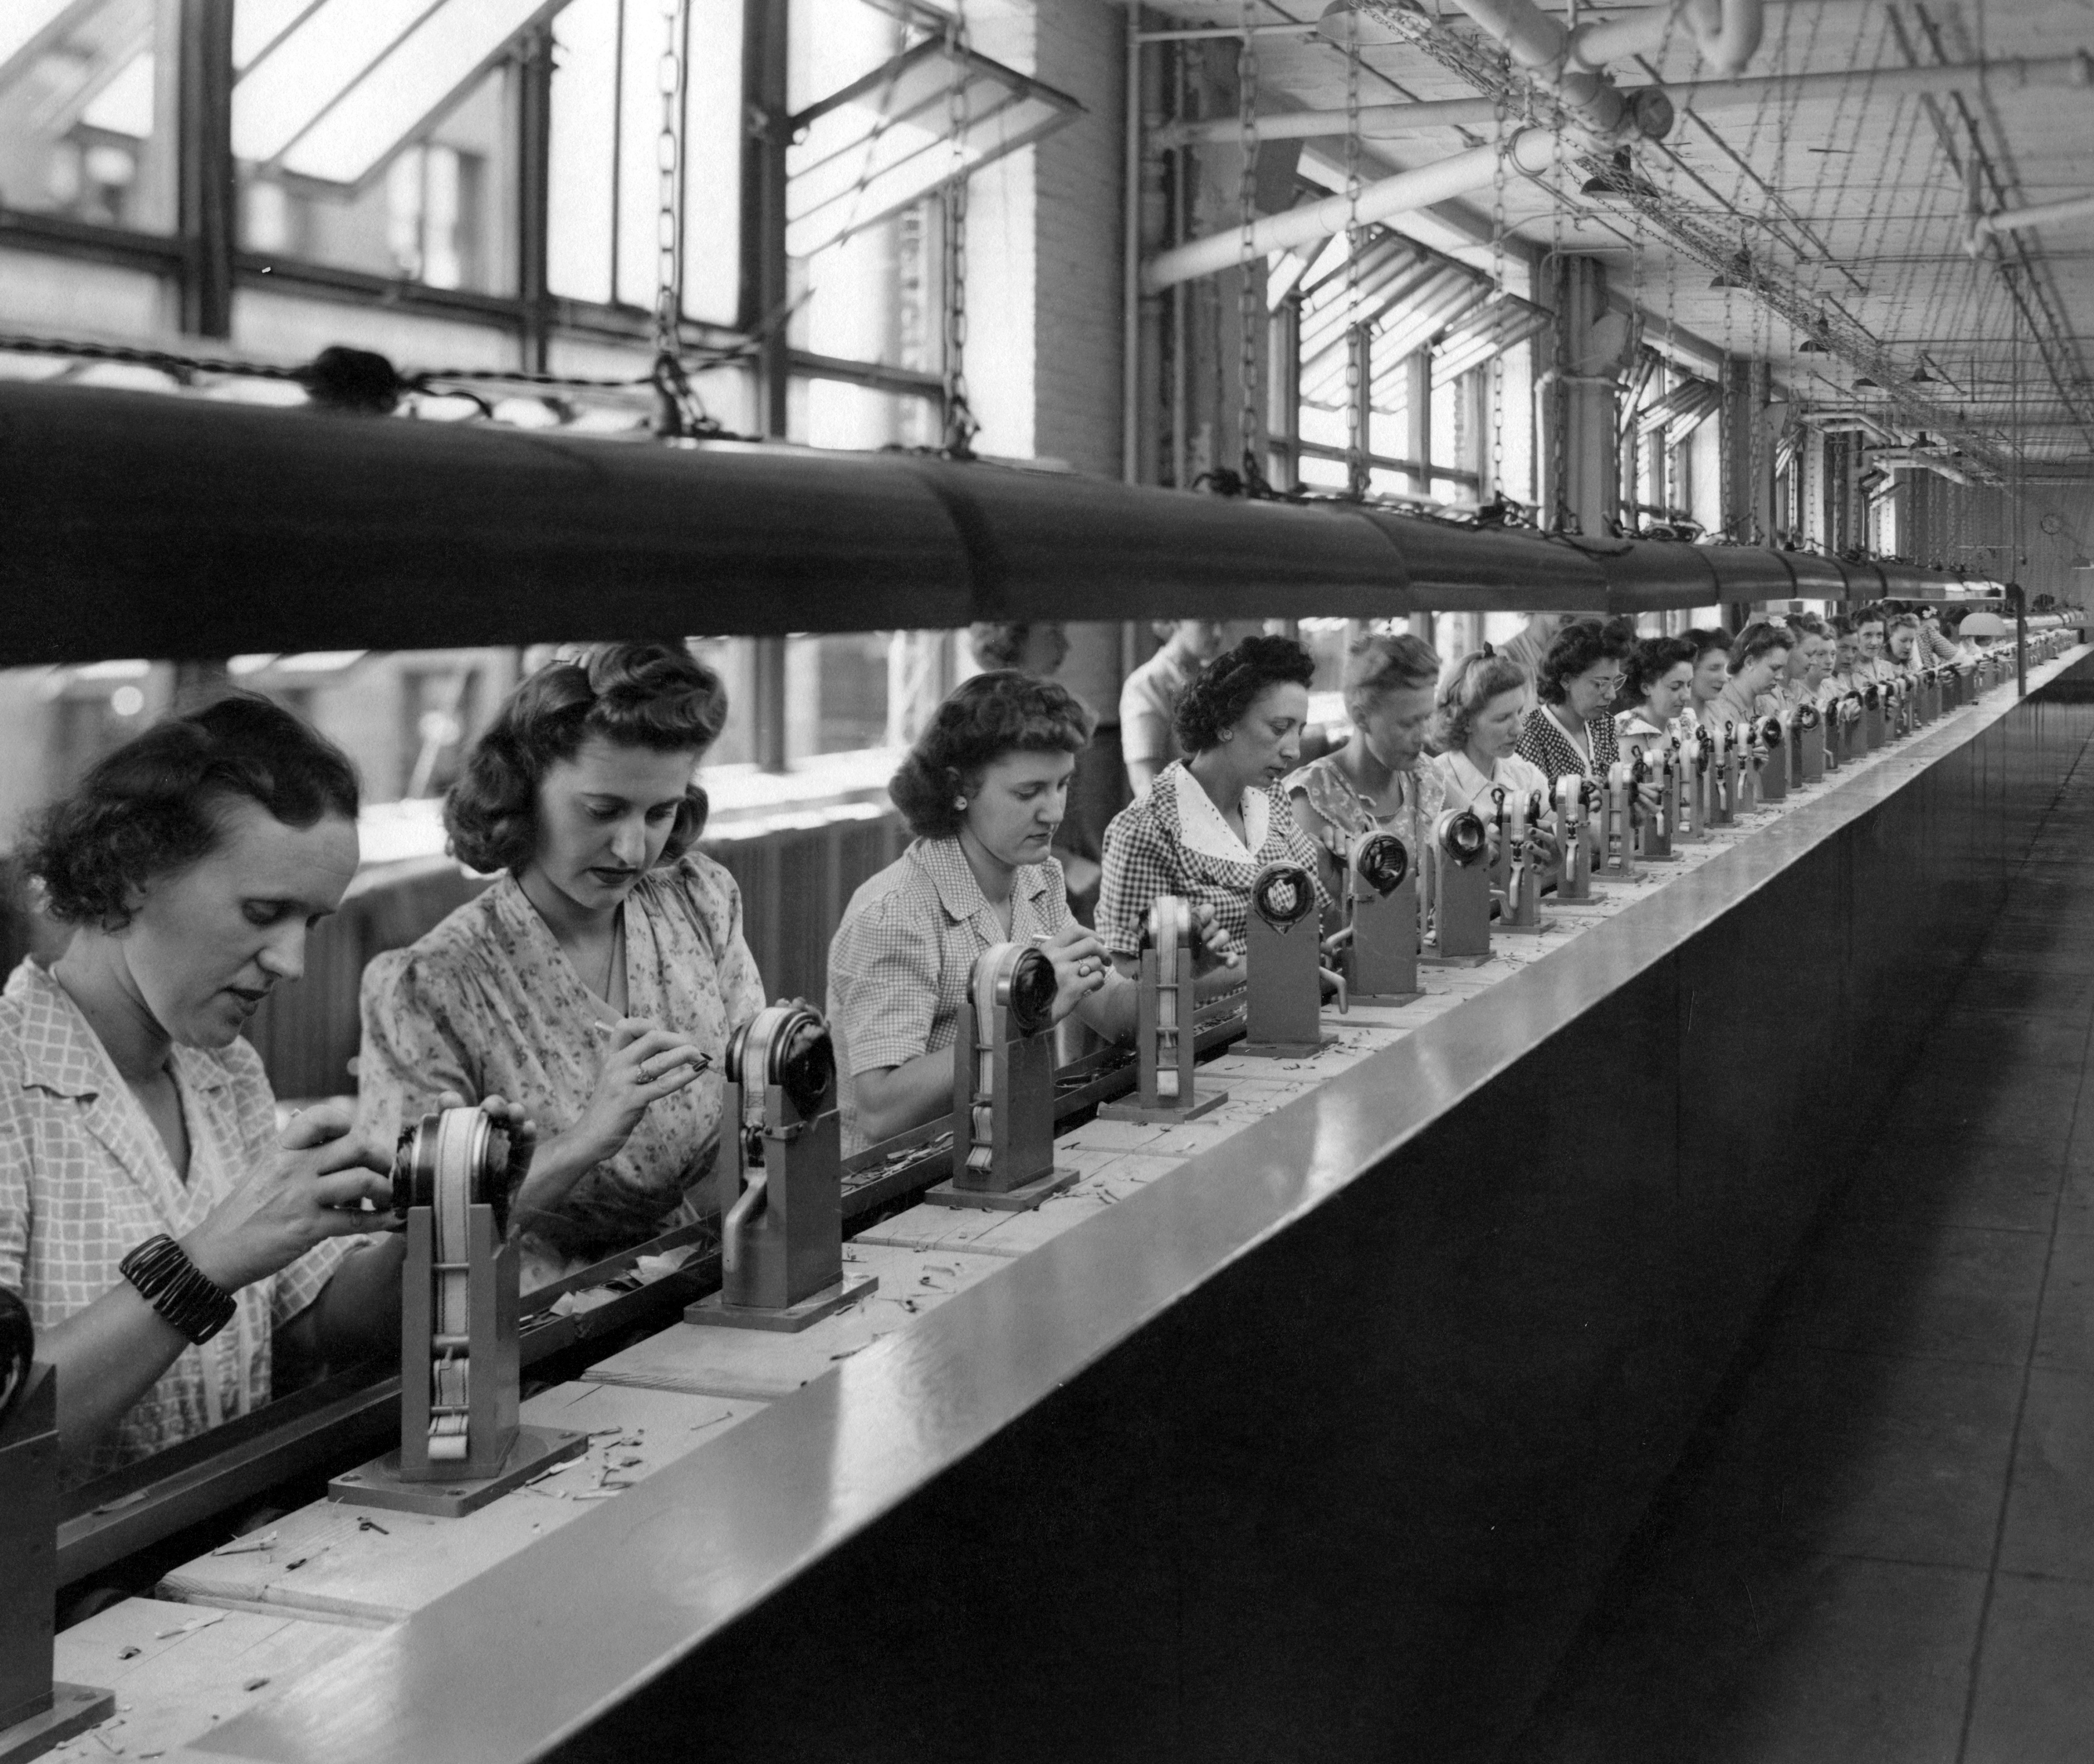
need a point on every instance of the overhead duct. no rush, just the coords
(1911, 458)
(1985, 227)
(1540, 47)
(1467, 569)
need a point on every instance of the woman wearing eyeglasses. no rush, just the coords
(1572, 729)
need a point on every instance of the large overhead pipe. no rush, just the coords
(1984, 227)
(1704, 97)
(1531, 150)
(1540, 45)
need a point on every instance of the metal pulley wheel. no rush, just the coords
(1806, 716)
(1770, 733)
(1282, 895)
(451, 1160)
(1381, 860)
(1020, 977)
(787, 1044)
(18, 1347)
(1461, 835)
(1169, 924)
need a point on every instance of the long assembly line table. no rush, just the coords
(247, 1632)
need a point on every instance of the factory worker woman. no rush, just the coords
(1712, 674)
(1658, 682)
(181, 1257)
(1376, 779)
(983, 790)
(1759, 659)
(1477, 716)
(1572, 729)
(602, 974)
(1213, 820)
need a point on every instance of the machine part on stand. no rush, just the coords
(1807, 751)
(1003, 1085)
(1771, 736)
(1283, 948)
(1575, 796)
(460, 1444)
(1619, 816)
(1166, 1013)
(1520, 904)
(1459, 891)
(1381, 917)
(780, 1180)
(37, 1712)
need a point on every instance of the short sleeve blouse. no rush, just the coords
(84, 1180)
(901, 960)
(1147, 854)
(1543, 743)
(488, 1004)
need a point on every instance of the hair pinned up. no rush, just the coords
(983, 719)
(657, 695)
(1472, 682)
(1230, 684)
(153, 805)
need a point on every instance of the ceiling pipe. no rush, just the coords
(1540, 45)
(1726, 32)
(1704, 97)
(1985, 227)
(1531, 150)
(1892, 458)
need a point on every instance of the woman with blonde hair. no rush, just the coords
(1378, 778)
(1477, 719)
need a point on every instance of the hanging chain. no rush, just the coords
(1560, 519)
(1499, 105)
(1250, 315)
(1358, 478)
(678, 410)
(960, 424)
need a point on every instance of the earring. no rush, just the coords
(1228, 735)
(959, 802)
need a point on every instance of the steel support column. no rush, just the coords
(207, 199)
(1580, 473)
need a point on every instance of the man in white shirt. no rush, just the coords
(1151, 696)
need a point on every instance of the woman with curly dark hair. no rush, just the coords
(1211, 821)
(1758, 660)
(172, 1244)
(1572, 729)
(984, 790)
(1659, 679)
(603, 973)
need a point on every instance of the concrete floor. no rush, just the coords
(1881, 1545)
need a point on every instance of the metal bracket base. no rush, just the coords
(378, 1484)
(1387, 1000)
(1428, 959)
(1500, 928)
(75, 1708)
(1018, 1199)
(1169, 1115)
(1283, 1050)
(789, 1321)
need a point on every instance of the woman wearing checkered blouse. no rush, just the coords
(168, 1239)
(1211, 821)
(984, 790)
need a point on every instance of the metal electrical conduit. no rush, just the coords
(158, 525)
(1704, 97)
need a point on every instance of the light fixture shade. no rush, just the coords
(1810, 347)
(886, 141)
(1921, 376)
(1862, 383)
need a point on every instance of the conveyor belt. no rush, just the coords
(1012, 1320)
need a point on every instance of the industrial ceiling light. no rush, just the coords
(1862, 383)
(1617, 182)
(1921, 376)
(1810, 347)
(1737, 273)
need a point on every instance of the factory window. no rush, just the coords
(86, 116)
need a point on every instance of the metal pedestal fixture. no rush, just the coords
(37, 1712)
(1381, 916)
(1771, 779)
(1003, 1086)
(1619, 815)
(1519, 903)
(1283, 950)
(1459, 891)
(1165, 1090)
(1575, 797)
(780, 1180)
(461, 1445)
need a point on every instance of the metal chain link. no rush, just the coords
(1499, 110)
(1250, 315)
(678, 410)
(1357, 477)
(961, 426)
(1560, 519)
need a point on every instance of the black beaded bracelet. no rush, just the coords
(179, 1290)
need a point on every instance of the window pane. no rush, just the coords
(833, 412)
(835, 693)
(606, 125)
(85, 115)
(442, 212)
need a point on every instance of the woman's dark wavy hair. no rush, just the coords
(1580, 644)
(1230, 684)
(657, 696)
(1649, 662)
(154, 805)
(1762, 636)
(1707, 638)
(983, 719)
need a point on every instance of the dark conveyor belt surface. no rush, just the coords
(1882, 1543)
